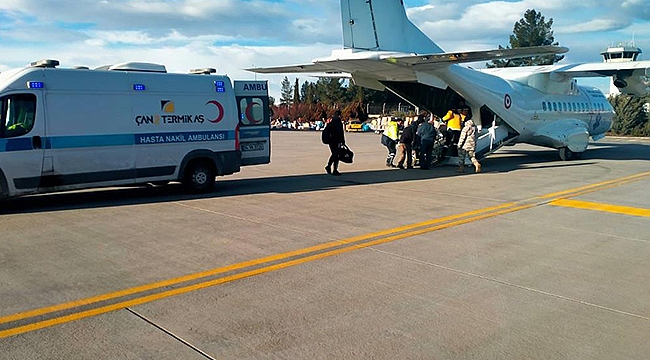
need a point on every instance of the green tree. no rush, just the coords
(271, 107)
(286, 92)
(329, 91)
(531, 30)
(308, 93)
(296, 93)
(631, 115)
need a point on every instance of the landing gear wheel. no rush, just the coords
(565, 154)
(199, 177)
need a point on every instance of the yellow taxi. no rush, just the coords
(354, 125)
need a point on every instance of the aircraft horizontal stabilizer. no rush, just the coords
(420, 62)
(306, 68)
(425, 62)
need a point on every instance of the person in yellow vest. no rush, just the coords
(454, 119)
(389, 139)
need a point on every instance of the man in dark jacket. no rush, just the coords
(406, 145)
(427, 133)
(335, 135)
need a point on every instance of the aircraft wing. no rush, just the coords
(603, 69)
(632, 77)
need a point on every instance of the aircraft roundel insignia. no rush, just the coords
(507, 101)
(219, 109)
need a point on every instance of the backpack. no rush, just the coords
(325, 135)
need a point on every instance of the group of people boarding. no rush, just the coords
(419, 137)
(460, 139)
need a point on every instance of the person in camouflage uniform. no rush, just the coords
(467, 145)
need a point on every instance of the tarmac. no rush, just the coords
(534, 258)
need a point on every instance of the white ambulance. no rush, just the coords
(125, 124)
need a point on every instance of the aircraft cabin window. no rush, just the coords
(18, 115)
(563, 106)
(543, 106)
(554, 106)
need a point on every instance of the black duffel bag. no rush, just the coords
(345, 154)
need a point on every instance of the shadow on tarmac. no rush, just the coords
(506, 160)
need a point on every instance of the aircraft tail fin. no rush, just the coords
(382, 25)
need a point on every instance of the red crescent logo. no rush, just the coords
(250, 116)
(219, 107)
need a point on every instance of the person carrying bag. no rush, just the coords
(334, 136)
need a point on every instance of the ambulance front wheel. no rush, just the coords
(199, 176)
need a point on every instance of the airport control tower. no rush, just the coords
(620, 52)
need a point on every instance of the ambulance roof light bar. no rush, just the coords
(45, 63)
(204, 71)
(135, 67)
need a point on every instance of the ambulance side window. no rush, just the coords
(18, 115)
(253, 111)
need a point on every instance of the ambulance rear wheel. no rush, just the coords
(199, 176)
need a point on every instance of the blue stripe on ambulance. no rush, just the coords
(89, 141)
(248, 133)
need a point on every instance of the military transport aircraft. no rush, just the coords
(539, 105)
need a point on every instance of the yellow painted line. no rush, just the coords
(353, 242)
(233, 267)
(194, 287)
(596, 186)
(586, 205)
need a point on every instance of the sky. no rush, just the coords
(232, 35)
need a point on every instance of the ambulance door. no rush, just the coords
(22, 138)
(254, 122)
